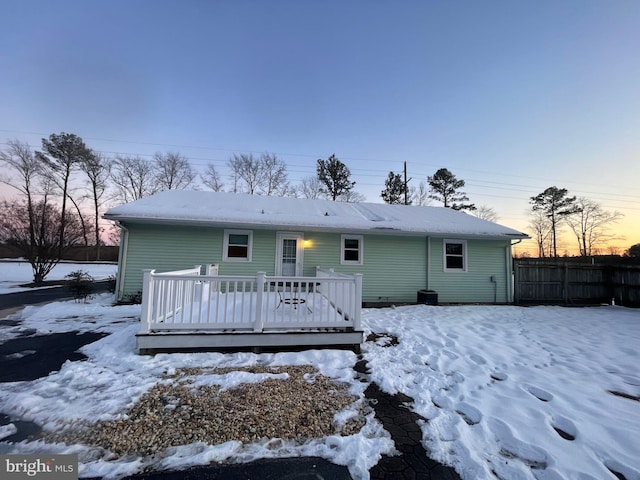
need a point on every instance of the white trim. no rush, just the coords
(299, 238)
(225, 246)
(122, 262)
(465, 256)
(360, 239)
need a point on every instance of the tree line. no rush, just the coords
(590, 223)
(64, 186)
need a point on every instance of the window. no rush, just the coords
(455, 256)
(351, 250)
(237, 245)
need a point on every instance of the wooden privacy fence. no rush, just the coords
(577, 284)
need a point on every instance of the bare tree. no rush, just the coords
(211, 178)
(60, 157)
(541, 226)
(310, 187)
(351, 197)
(87, 229)
(113, 232)
(19, 158)
(97, 169)
(590, 224)
(247, 173)
(613, 250)
(486, 213)
(27, 169)
(172, 171)
(420, 195)
(274, 175)
(35, 231)
(133, 178)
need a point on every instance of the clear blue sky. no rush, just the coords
(512, 97)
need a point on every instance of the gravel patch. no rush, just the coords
(292, 403)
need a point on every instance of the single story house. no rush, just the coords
(398, 249)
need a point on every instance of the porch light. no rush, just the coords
(306, 243)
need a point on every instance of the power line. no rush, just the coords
(302, 169)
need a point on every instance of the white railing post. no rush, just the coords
(357, 313)
(147, 301)
(213, 271)
(258, 325)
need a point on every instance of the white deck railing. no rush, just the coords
(186, 300)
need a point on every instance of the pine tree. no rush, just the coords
(334, 176)
(444, 187)
(395, 190)
(555, 204)
(61, 155)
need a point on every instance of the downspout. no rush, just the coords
(122, 261)
(428, 286)
(509, 270)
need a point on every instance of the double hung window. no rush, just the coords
(455, 255)
(351, 250)
(237, 245)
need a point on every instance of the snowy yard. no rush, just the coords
(531, 393)
(14, 273)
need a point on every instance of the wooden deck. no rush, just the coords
(187, 311)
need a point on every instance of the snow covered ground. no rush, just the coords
(522, 393)
(14, 273)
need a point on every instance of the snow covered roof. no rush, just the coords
(240, 210)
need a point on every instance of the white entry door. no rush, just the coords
(289, 254)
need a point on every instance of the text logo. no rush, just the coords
(50, 467)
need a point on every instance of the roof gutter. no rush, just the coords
(308, 228)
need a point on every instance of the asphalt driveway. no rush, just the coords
(29, 358)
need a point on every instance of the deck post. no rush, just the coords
(258, 325)
(358, 302)
(147, 300)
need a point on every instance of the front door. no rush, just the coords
(289, 254)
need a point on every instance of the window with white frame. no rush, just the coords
(351, 250)
(237, 245)
(455, 255)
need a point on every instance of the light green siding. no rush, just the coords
(394, 267)
(166, 248)
(485, 258)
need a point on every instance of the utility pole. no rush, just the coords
(406, 185)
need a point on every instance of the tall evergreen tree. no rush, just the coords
(555, 204)
(334, 176)
(395, 191)
(445, 188)
(61, 155)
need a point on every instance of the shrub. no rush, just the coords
(81, 285)
(133, 298)
(111, 283)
